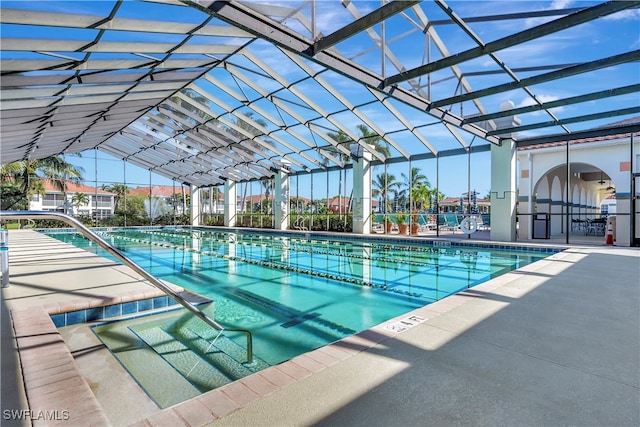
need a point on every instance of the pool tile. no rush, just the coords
(59, 320)
(167, 418)
(276, 376)
(129, 307)
(259, 384)
(75, 317)
(145, 304)
(112, 310)
(293, 370)
(159, 302)
(95, 313)
(194, 413)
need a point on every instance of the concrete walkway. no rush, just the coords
(555, 343)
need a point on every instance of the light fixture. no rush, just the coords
(601, 180)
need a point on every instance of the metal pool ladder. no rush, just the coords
(5, 215)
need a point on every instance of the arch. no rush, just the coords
(557, 206)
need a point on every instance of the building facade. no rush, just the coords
(75, 199)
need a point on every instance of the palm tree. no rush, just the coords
(343, 139)
(120, 191)
(415, 183)
(245, 124)
(374, 139)
(267, 184)
(198, 99)
(79, 199)
(27, 176)
(384, 185)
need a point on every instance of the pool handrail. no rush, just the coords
(85, 231)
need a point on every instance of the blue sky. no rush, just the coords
(612, 35)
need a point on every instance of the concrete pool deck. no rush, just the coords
(556, 342)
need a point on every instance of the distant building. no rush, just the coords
(99, 203)
(164, 196)
(452, 204)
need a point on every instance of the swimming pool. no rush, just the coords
(295, 293)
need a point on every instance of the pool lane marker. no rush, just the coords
(321, 274)
(384, 247)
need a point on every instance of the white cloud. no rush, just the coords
(624, 15)
(561, 4)
(542, 98)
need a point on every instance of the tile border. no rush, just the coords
(115, 310)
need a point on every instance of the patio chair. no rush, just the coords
(595, 227)
(486, 221)
(426, 223)
(578, 224)
(451, 223)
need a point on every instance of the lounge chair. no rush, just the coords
(486, 221)
(425, 224)
(450, 222)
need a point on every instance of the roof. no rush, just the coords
(599, 138)
(158, 190)
(72, 187)
(456, 201)
(204, 91)
(344, 200)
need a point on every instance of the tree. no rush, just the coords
(343, 139)
(27, 176)
(120, 191)
(245, 125)
(135, 206)
(374, 139)
(384, 185)
(79, 199)
(417, 185)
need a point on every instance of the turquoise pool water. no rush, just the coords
(295, 293)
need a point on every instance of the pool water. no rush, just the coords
(296, 294)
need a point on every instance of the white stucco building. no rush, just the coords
(600, 167)
(99, 203)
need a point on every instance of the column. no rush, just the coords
(503, 181)
(526, 223)
(230, 203)
(281, 199)
(195, 206)
(361, 189)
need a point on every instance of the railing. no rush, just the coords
(17, 215)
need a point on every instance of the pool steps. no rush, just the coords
(192, 358)
(121, 257)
